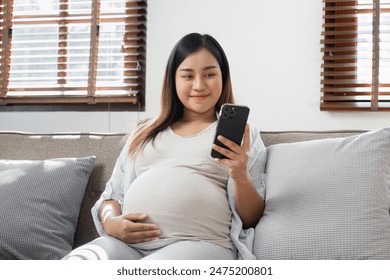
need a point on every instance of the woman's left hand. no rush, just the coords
(237, 156)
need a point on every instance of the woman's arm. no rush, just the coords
(107, 211)
(249, 204)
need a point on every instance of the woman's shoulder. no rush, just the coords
(253, 129)
(143, 122)
(135, 126)
(256, 139)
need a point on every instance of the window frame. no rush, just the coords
(135, 23)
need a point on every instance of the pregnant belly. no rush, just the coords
(184, 204)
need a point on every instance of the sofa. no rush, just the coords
(78, 166)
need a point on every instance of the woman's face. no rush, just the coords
(199, 83)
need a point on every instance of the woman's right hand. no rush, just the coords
(130, 228)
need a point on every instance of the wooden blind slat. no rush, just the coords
(72, 99)
(337, 73)
(339, 65)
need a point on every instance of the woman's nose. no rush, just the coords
(199, 84)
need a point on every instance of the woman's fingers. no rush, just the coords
(232, 148)
(135, 230)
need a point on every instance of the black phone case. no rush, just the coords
(231, 124)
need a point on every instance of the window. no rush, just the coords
(356, 55)
(72, 51)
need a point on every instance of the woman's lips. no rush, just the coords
(199, 97)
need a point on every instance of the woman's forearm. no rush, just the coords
(108, 209)
(249, 204)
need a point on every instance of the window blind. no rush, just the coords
(72, 51)
(356, 55)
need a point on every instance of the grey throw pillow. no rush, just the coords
(327, 199)
(40, 205)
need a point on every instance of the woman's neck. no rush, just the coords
(192, 125)
(191, 117)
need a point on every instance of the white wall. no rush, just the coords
(274, 53)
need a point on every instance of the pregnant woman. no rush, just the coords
(167, 197)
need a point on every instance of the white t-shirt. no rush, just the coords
(182, 188)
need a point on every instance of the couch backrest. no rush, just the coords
(106, 148)
(276, 137)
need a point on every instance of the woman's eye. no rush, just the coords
(187, 77)
(209, 75)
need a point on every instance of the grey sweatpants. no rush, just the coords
(109, 248)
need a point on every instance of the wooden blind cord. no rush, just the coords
(6, 38)
(93, 53)
(375, 56)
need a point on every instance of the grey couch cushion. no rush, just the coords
(40, 204)
(327, 199)
(37, 146)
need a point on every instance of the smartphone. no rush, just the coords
(231, 124)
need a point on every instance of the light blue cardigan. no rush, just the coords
(124, 174)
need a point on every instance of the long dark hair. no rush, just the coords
(171, 108)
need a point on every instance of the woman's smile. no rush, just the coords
(199, 96)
